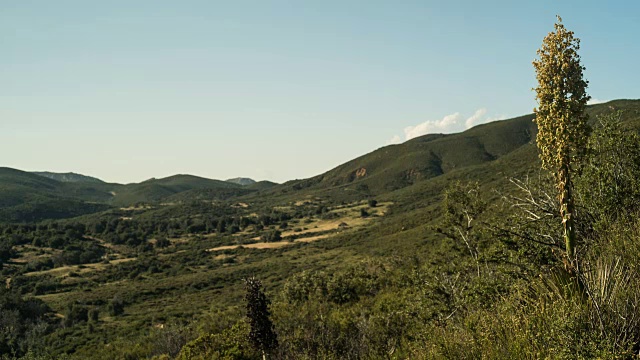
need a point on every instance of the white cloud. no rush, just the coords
(451, 123)
(476, 118)
(394, 140)
(445, 124)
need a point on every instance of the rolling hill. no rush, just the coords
(189, 187)
(29, 197)
(403, 168)
(26, 196)
(395, 167)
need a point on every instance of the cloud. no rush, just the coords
(445, 124)
(595, 101)
(476, 118)
(394, 140)
(451, 123)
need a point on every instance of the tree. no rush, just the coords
(462, 206)
(561, 119)
(75, 314)
(222, 226)
(6, 252)
(271, 236)
(610, 181)
(262, 336)
(162, 242)
(115, 307)
(22, 322)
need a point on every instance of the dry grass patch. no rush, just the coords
(270, 245)
(312, 238)
(349, 215)
(240, 205)
(30, 253)
(260, 245)
(80, 269)
(134, 208)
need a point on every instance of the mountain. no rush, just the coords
(262, 185)
(29, 197)
(241, 181)
(419, 166)
(158, 190)
(395, 167)
(68, 177)
(26, 196)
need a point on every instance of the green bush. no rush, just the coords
(230, 344)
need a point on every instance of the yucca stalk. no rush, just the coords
(561, 119)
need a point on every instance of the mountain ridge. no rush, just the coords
(241, 181)
(68, 177)
(384, 170)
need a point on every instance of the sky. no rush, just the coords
(278, 90)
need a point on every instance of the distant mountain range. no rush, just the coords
(74, 177)
(33, 196)
(417, 169)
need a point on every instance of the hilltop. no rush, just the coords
(68, 177)
(241, 181)
(408, 166)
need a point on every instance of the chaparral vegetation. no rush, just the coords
(515, 239)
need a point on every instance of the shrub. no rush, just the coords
(115, 306)
(271, 236)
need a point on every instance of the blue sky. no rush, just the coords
(278, 90)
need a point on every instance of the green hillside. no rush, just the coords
(395, 167)
(157, 190)
(29, 197)
(262, 185)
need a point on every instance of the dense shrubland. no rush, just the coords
(507, 294)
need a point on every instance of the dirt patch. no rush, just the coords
(352, 220)
(312, 238)
(362, 172)
(261, 245)
(270, 245)
(226, 247)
